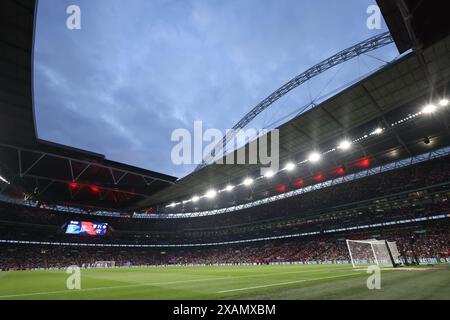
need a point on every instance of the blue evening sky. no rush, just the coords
(138, 69)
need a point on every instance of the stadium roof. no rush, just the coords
(392, 93)
(62, 174)
(16, 94)
(415, 23)
(399, 89)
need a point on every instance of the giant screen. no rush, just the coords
(86, 228)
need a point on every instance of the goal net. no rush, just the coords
(104, 264)
(392, 245)
(379, 252)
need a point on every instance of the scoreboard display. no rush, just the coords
(86, 228)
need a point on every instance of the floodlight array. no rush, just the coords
(316, 156)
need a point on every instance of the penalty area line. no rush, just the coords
(105, 288)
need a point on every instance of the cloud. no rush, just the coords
(139, 69)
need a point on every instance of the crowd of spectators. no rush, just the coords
(431, 241)
(418, 191)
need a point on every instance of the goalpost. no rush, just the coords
(395, 254)
(380, 252)
(104, 264)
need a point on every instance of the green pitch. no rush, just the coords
(231, 282)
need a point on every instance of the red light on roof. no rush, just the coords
(318, 177)
(339, 171)
(150, 210)
(95, 189)
(73, 185)
(363, 163)
(298, 183)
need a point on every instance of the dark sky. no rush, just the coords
(138, 69)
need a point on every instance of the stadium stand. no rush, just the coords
(418, 242)
(410, 206)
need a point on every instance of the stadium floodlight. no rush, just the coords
(211, 194)
(429, 108)
(269, 174)
(248, 182)
(444, 102)
(195, 198)
(4, 180)
(314, 156)
(229, 188)
(172, 205)
(344, 145)
(378, 131)
(290, 166)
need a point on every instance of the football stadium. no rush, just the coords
(359, 207)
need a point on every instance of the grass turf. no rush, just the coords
(228, 282)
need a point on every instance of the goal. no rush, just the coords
(104, 264)
(380, 252)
